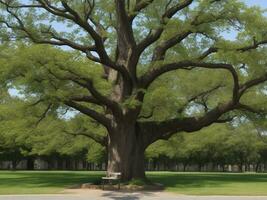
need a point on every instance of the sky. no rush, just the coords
(261, 3)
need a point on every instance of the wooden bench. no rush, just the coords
(110, 178)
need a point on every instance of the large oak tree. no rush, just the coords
(133, 46)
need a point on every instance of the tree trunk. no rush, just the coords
(223, 167)
(256, 167)
(14, 164)
(126, 153)
(199, 167)
(240, 166)
(184, 167)
(30, 163)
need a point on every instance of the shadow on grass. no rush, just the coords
(201, 180)
(118, 195)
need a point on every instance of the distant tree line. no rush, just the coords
(217, 146)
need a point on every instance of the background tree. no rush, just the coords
(124, 51)
(27, 137)
(244, 148)
(219, 145)
(11, 147)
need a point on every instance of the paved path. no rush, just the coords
(110, 195)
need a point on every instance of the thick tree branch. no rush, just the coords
(208, 52)
(88, 84)
(88, 99)
(89, 9)
(65, 41)
(124, 25)
(114, 106)
(89, 112)
(161, 49)
(155, 34)
(140, 5)
(102, 140)
(70, 14)
(99, 41)
(126, 53)
(152, 74)
(251, 83)
(154, 130)
(255, 45)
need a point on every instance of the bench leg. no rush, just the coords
(109, 182)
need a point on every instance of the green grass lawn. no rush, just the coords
(22, 182)
(213, 183)
(43, 182)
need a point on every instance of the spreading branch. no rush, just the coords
(124, 25)
(152, 74)
(245, 48)
(140, 5)
(155, 34)
(155, 130)
(251, 83)
(251, 109)
(89, 112)
(43, 115)
(84, 98)
(97, 97)
(65, 12)
(102, 140)
(201, 95)
(161, 49)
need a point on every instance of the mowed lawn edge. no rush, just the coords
(54, 182)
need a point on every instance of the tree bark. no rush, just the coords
(126, 153)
